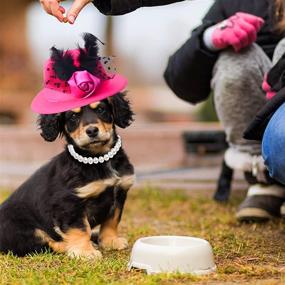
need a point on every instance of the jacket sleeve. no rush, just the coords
(189, 69)
(120, 7)
(256, 128)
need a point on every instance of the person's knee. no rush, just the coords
(235, 70)
(273, 145)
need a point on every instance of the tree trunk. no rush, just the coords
(17, 82)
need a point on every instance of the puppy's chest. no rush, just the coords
(102, 196)
(95, 188)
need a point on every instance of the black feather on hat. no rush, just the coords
(63, 64)
(88, 59)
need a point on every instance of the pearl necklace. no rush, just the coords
(95, 160)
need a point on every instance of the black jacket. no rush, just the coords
(120, 7)
(256, 128)
(189, 70)
(276, 80)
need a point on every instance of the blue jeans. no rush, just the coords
(273, 145)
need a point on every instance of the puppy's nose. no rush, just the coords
(92, 132)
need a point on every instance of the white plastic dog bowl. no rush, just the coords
(182, 254)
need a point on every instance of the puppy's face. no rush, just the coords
(91, 127)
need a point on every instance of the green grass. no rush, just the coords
(244, 254)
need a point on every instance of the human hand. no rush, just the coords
(54, 8)
(267, 88)
(238, 31)
(274, 80)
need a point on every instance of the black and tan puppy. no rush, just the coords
(62, 202)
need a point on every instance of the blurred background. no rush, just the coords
(142, 41)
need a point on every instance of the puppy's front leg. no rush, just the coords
(76, 242)
(108, 236)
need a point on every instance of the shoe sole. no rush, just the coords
(253, 215)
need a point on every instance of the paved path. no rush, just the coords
(199, 178)
(156, 150)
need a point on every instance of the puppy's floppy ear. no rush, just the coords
(51, 126)
(122, 113)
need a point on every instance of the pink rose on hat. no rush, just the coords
(82, 84)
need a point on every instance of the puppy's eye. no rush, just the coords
(100, 110)
(74, 117)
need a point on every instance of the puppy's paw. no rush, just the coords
(118, 243)
(93, 254)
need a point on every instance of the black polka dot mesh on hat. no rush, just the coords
(53, 82)
(106, 68)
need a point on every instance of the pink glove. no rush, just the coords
(238, 31)
(267, 88)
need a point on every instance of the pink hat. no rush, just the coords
(76, 78)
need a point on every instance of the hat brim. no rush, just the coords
(49, 101)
